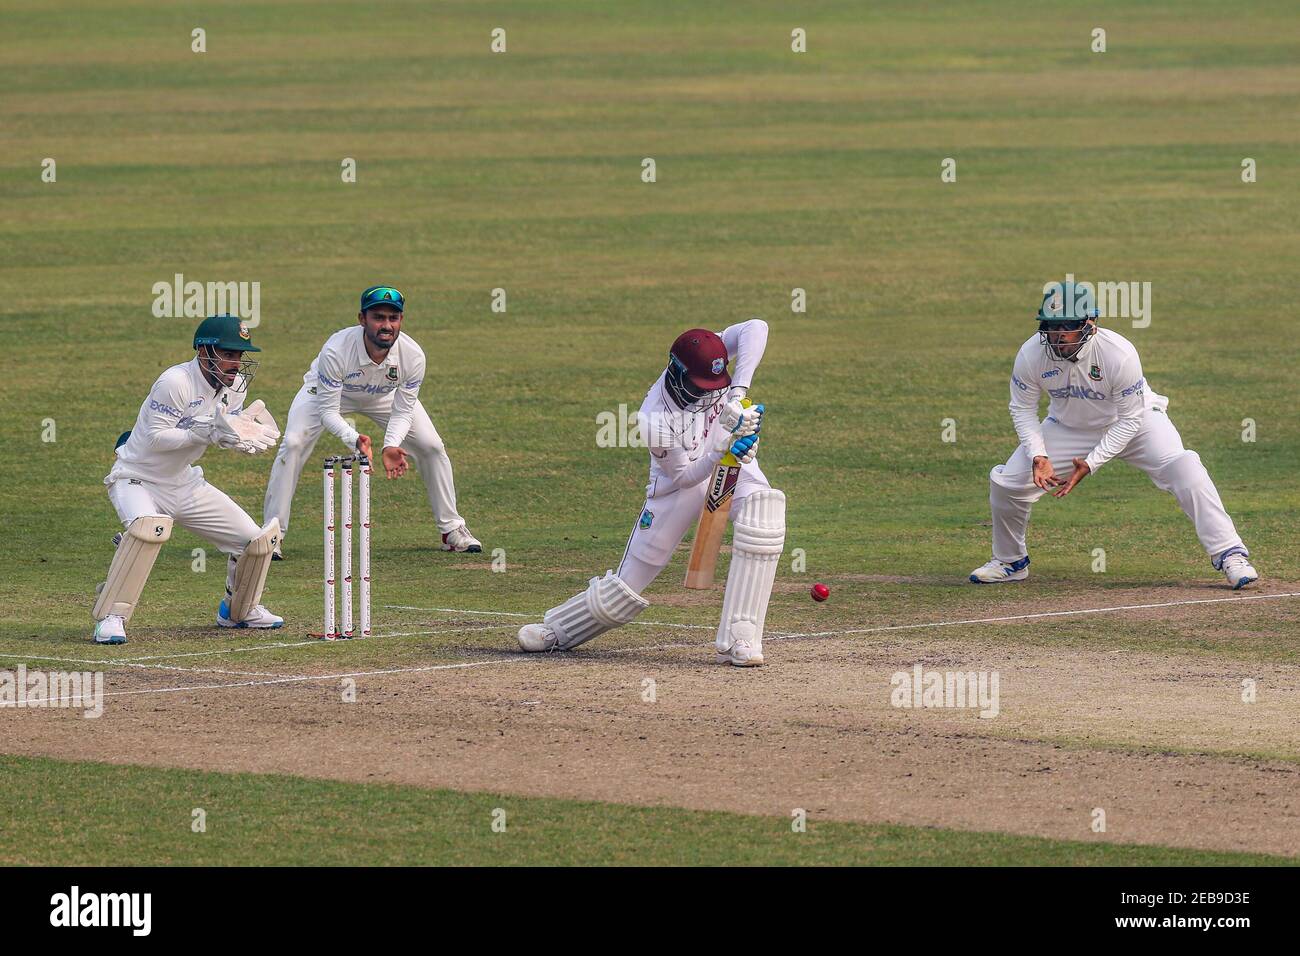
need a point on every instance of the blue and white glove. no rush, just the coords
(745, 449)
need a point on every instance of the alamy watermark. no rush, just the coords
(1106, 300)
(197, 300)
(950, 689)
(60, 689)
(74, 908)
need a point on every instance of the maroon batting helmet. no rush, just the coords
(702, 359)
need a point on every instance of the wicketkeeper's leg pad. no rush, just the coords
(757, 540)
(250, 571)
(136, 553)
(607, 603)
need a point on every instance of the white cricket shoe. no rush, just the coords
(1239, 571)
(741, 654)
(111, 630)
(459, 539)
(536, 638)
(258, 617)
(999, 572)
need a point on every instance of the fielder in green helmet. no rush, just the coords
(154, 483)
(222, 341)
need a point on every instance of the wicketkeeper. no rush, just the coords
(154, 483)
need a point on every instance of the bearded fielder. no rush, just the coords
(690, 417)
(1101, 408)
(154, 484)
(376, 369)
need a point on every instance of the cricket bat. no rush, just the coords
(713, 522)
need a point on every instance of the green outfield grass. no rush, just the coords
(522, 171)
(89, 814)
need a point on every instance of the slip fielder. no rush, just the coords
(690, 417)
(1101, 408)
(154, 483)
(375, 369)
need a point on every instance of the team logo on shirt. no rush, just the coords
(647, 519)
(1094, 373)
(718, 365)
(392, 373)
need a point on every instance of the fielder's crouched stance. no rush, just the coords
(689, 420)
(376, 369)
(1101, 408)
(154, 484)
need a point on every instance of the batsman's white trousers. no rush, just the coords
(303, 429)
(1157, 449)
(664, 521)
(195, 506)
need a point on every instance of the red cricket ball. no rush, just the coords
(820, 592)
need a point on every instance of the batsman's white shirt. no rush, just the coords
(1104, 392)
(162, 448)
(346, 380)
(685, 448)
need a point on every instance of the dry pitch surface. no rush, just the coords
(1163, 743)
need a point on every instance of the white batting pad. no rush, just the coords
(607, 603)
(757, 540)
(131, 565)
(250, 571)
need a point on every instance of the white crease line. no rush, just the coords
(302, 679)
(456, 610)
(1029, 617)
(161, 667)
(659, 647)
(315, 642)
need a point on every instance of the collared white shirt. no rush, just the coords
(684, 445)
(1103, 391)
(162, 448)
(346, 380)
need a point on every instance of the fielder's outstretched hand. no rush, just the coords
(365, 448)
(1081, 470)
(394, 462)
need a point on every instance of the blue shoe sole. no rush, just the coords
(1243, 582)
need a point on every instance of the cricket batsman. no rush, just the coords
(154, 483)
(690, 417)
(1101, 408)
(376, 369)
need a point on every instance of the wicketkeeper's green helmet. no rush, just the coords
(225, 332)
